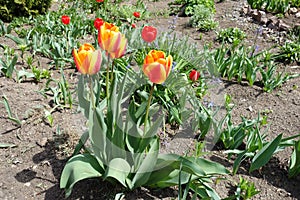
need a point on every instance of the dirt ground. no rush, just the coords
(31, 169)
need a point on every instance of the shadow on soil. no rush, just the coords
(93, 188)
(274, 172)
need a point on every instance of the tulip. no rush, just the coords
(194, 75)
(149, 33)
(137, 14)
(87, 59)
(111, 40)
(100, 1)
(98, 22)
(157, 66)
(133, 25)
(65, 19)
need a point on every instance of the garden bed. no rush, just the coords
(31, 167)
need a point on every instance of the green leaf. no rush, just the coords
(79, 167)
(210, 167)
(265, 154)
(82, 141)
(145, 169)
(7, 145)
(294, 167)
(83, 102)
(119, 169)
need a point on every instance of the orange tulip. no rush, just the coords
(111, 40)
(87, 59)
(157, 66)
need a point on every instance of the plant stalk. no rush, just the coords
(148, 107)
(107, 80)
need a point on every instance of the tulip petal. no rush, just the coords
(78, 61)
(155, 72)
(95, 62)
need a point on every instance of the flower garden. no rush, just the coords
(121, 100)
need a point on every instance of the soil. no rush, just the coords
(31, 169)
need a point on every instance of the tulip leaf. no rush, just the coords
(145, 169)
(7, 145)
(264, 155)
(294, 168)
(79, 167)
(119, 169)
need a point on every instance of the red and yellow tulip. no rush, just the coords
(87, 59)
(111, 40)
(157, 66)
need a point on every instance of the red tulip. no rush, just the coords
(87, 59)
(149, 33)
(133, 25)
(100, 1)
(194, 75)
(98, 22)
(157, 66)
(137, 14)
(65, 19)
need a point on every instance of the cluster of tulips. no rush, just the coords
(157, 65)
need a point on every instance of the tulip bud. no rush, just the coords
(149, 33)
(157, 66)
(87, 59)
(111, 40)
(65, 19)
(194, 75)
(98, 22)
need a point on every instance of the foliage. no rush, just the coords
(231, 35)
(245, 190)
(122, 151)
(202, 18)
(189, 6)
(289, 52)
(241, 63)
(294, 166)
(9, 112)
(256, 147)
(8, 61)
(12, 9)
(274, 6)
(4, 29)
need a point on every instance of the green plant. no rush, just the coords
(202, 18)
(14, 8)
(59, 90)
(245, 190)
(36, 73)
(189, 6)
(256, 147)
(233, 136)
(8, 110)
(231, 35)
(4, 29)
(289, 52)
(274, 6)
(272, 79)
(294, 166)
(125, 152)
(8, 62)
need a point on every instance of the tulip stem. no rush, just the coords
(112, 71)
(148, 107)
(107, 80)
(92, 91)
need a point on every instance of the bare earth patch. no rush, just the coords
(31, 169)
